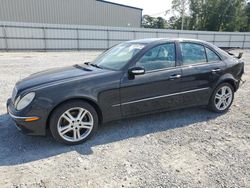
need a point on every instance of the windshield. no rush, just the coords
(118, 56)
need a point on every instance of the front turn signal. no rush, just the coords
(31, 119)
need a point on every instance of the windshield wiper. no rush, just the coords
(80, 67)
(95, 65)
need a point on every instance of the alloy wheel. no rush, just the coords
(223, 98)
(75, 124)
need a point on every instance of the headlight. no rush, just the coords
(21, 103)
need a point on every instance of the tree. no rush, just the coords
(147, 21)
(233, 18)
(208, 15)
(160, 23)
(248, 16)
(218, 15)
(181, 7)
(152, 22)
(176, 22)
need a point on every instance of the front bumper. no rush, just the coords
(37, 127)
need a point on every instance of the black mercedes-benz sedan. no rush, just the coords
(133, 78)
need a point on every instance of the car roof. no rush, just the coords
(148, 41)
(151, 40)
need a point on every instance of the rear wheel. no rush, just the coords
(222, 98)
(73, 122)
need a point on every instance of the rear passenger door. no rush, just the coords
(201, 69)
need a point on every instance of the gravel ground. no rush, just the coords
(186, 148)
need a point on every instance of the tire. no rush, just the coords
(220, 102)
(73, 122)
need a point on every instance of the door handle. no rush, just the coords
(175, 76)
(215, 70)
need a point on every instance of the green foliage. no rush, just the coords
(218, 15)
(151, 22)
(176, 22)
(208, 15)
(181, 7)
(247, 10)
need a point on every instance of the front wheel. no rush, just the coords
(73, 122)
(222, 98)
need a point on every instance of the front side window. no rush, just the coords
(192, 53)
(118, 56)
(211, 56)
(160, 57)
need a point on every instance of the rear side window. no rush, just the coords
(211, 56)
(192, 53)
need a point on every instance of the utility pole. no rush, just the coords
(182, 20)
(183, 6)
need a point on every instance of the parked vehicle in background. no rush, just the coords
(133, 78)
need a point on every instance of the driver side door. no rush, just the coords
(156, 89)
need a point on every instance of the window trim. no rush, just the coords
(164, 69)
(158, 70)
(205, 53)
(195, 64)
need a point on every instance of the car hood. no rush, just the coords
(57, 74)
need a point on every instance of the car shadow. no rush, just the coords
(16, 148)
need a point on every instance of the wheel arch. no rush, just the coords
(88, 100)
(228, 78)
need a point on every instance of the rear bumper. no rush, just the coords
(37, 128)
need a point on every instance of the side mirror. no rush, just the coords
(132, 72)
(136, 71)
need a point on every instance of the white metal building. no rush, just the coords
(73, 12)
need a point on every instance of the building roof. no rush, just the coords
(119, 4)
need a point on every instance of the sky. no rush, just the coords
(151, 7)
